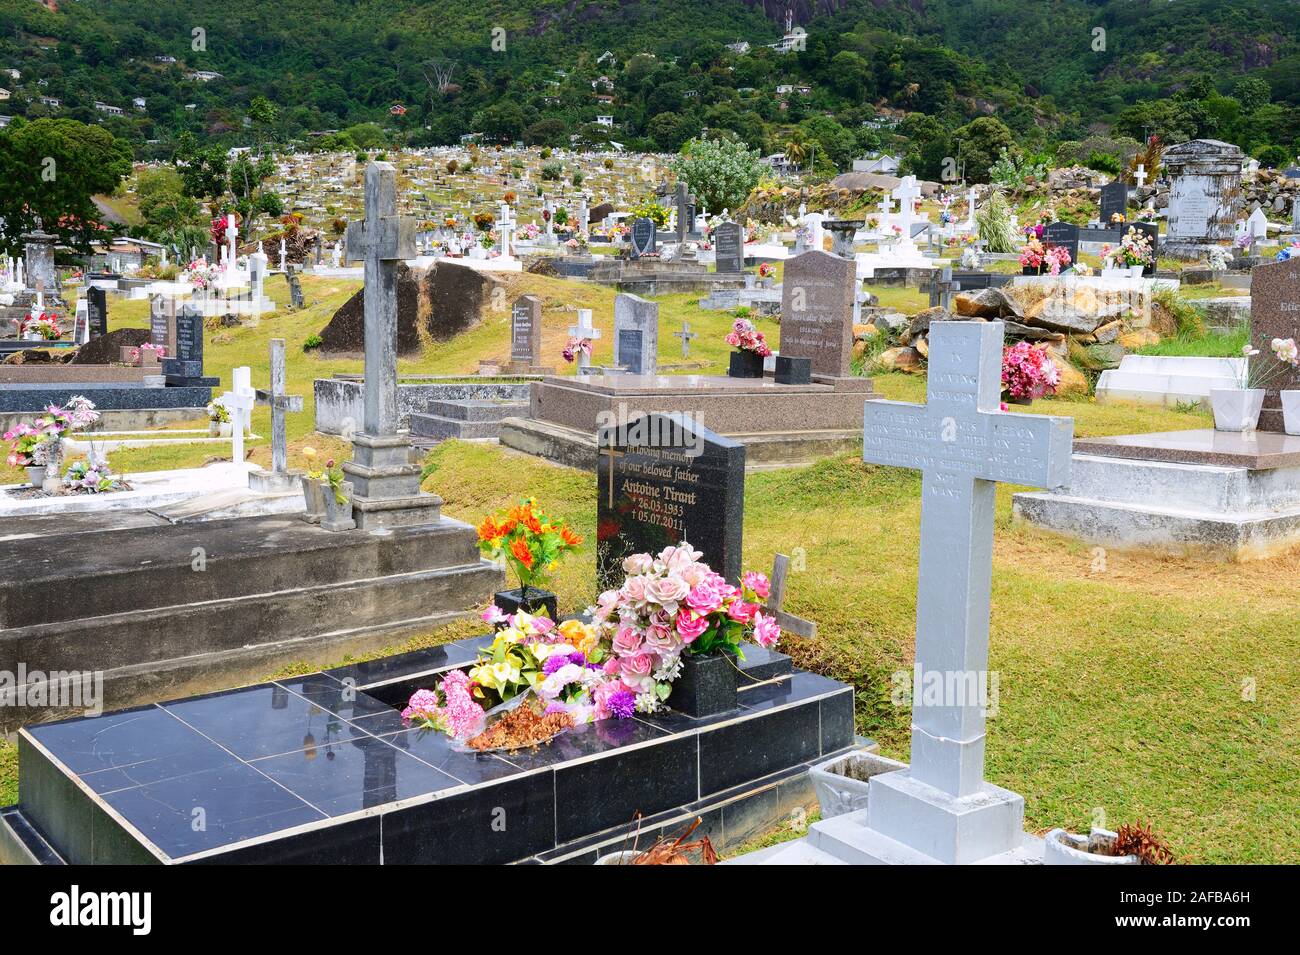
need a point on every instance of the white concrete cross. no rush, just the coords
(907, 193)
(232, 233)
(970, 211)
(382, 239)
(239, 401)
(886, 207)
(506, 228)
(963, 445)
(283, 251)
(1140, 177)
(686, 335)
(279, 403)
(584, 329)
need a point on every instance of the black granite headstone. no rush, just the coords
(663, 479)
(1152, 232)
(729, 250)
(185, 368)
(295, 287)
(643, 237)
(1114, 201)
(1063, 234)
(631, 343)
(97, 310)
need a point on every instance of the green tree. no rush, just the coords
(978, 145)
(51, 170)
(720, 173)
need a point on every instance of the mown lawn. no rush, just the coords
(1120, 681)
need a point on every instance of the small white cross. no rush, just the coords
(1140, 177)
(584, 329)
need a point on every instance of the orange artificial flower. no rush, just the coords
(521, 553)
(570, 538)
(533, 524)
(488, 529)
(505, 529)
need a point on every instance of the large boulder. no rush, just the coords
(107, 349)
(986, 303)
(346, 329)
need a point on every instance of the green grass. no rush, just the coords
(1210, 345)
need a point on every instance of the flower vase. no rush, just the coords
(1291, 411)
(531, 600)
(53, 458)
(338, 514)
(214, 429)
(1236, 409)
(36, 475)
(314, 498)
(1065, 848)
(226, 429)
(745, 364)
(706, 684)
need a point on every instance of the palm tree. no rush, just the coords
(796, 148)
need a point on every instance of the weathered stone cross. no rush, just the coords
(280, 404)
(788, 622)
(963, 444)
(382, 239)
(686, 335)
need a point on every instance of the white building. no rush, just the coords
(204, 76)
(740, 48)
(881, 163)
(4, 94)
(795, 41)
(109, 110)
(138, 103)
(605, 120)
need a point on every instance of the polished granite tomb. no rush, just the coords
(321, 769)
(779, 424)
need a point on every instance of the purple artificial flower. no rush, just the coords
(623, 704)
(578, 658)
(554, 662)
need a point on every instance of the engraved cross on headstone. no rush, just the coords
(686, 335)
(279, 403)
(964, 445)
(381, 240)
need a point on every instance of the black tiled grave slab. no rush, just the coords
(264, 720)
(361, 774)
(316, 770)
(209, 809)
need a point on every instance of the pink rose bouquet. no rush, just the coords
(668, 606)
(1028, 371)
(746, 337)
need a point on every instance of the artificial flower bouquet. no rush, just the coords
(1028, 372)
(27, 445)
(44, 326)
(200, 275)
(329, 473)
(671, 605)
(1134, 249)
(766, 270)
(529, 541)
(1034, 255)
(218, 412)
(745, 337)
(92, 477)
(146, 354)
(574, 346)
(32, 443)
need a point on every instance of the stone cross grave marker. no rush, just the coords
(232, 234)
(239, 401)
(686, 335)
(817, 300)
(295, 287)
(385, 478)
(526, 330)
(636, 334)
(1140, 177)
(963, 445)
(788, 622)
(942, 288)
(280, 403)
(584, 329)
(684, 203)
(1275, 313)
(663, 478)
(907, 193)
(505, 229)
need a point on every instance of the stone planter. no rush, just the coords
(533, 601)
(745, 364)
(1066, 848)
(311, 493)
(842, 783)
(35, 475)
(1291, 411)
(338, 516)
(706, 685)
(1236, 409)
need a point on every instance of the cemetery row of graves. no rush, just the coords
(682, 521)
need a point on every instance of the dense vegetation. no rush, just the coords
(1225, 68)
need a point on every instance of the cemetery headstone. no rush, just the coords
(184, 366)
(280, 404)
(162, 323)
(38, 260)
(643, 237)
(97, 310)
(636, 334)
(663, 479)
(295, 287)
(526, 330)
(1114, 202)
(1275, 313)
(1205, 191)
(940, 807)
(728, 246)
(817, 311)
(1152, 232)
(1063, 235)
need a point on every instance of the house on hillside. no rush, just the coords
(881, 163)
(109, 110)
(739, 48)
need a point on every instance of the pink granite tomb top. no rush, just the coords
(1255, 450)
(704, 384)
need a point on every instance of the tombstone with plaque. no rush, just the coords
(817, 311)
(1113, 204)
(1064, 235)
(729, 247)
(662, 479)
(97, 311)
(642, 238)
(636, 334)
(184, 366)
